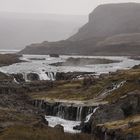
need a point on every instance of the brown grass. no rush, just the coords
(8, 59)
(74, 90)
(124, 125)
(31, 133)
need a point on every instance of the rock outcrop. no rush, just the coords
(72, 75)
(109, 20)
(66, 111)
(111, 120)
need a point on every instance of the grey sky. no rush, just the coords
(74, 7)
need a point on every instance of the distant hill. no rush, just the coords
(112, 29)
(18, 30)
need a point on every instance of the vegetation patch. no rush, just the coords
(21, 132)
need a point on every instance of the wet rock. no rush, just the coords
(71, 75)
(54, 55)
(44, 120)
(131, 137)
(64, 110)
(59, 128)
(127, 106)
(106, 113)
(33, 77)
(19, 77)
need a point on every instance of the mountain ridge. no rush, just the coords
(104, 22)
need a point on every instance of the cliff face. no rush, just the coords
(111, 19)
(117, 23)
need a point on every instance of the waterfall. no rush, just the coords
(51, 75)
(25, 76)
(79, 113)
(89, 116)
(109, 91)
(40, 104)
(66, 111)
(15, 81)
(60, 112)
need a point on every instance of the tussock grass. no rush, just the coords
(31, 133)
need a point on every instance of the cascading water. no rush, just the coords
(51, 75)
(68, 115)
(89, 116)
(79, 113)
(25, 76)
(42, 76)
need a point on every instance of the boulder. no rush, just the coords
(54, 55)
(59, 128)
(19, 77)
(33, 77)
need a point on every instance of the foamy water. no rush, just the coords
(68, 125)
(42, 66)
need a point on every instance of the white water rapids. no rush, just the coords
(41, 66)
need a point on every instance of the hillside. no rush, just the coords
(119, 23)
(111, 19)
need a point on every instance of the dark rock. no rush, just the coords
(131, 137)
(106, 113)
(33, 77)
(72, 75)
(123, 108)
(59, 128)
(19, 77)
(44, 120)
(54, 55)
(64, 110)
(136, 67)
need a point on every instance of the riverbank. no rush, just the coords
(9, 59)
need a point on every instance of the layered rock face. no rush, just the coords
(113, 29)
(64, 110)
(115, 120)
(109, 20)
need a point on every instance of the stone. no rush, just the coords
(59, 128)
(33, 77)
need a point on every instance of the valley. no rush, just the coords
(89, 103)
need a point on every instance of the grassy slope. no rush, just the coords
(75, 90)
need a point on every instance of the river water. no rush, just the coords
(40, 64)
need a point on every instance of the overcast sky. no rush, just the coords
(73, 7)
